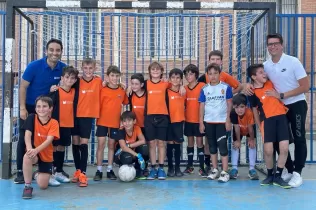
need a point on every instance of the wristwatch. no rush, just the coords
(281, 95)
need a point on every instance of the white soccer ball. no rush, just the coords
(127, 173)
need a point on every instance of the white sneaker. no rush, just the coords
(61, 178)
(214, 174)
(286, 176)
(296, 180)
(224, 177)
(53, 182)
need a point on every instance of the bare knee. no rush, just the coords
(60, 148)
(268, 149)
(284, 147)
(161, 144)
(101, 144)
(152, 144)
(111, 144)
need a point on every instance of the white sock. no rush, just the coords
(99, 168)
(235, 157)
(252, 158)
(109, 168)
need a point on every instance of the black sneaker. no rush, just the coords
(203, 173)
(145, 172)
(267, 181)
(178, 172)
(27, 192)
(171, 172)
(189, 170)
(98, 176)
(65, 174)
(111, 175)
(278, 181)
(208, 170)
(140, 174)
(19, 179)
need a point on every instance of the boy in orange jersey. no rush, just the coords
(242, 119)
(275, 124)
(111, 100)
(87, 98)
(191, 125)
(40, 131)
(175, 129)
(63, 112)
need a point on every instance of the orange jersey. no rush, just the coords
(192, 105)
(271, 106)
(243, 121)
(111, 106)
(122, 134)
(137, 105)
(66, 108)
(176, 106)
(224, 77)
(89, 98)
(156, 102)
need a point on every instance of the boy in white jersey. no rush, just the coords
(215, 105)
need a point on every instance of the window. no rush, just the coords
(2, 19)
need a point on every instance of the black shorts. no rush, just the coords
(156, 127)
(175, 132)
(44, 167)
(234, 135)
(144, 132)
(103, 131)
(65, 137)
(276, 129)
(192, 129)
(83, 127)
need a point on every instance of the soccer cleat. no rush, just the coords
(233, 174)
(27, 192)
(61, 178)
(19, 179)
(267, 181)
(224, 177)
(296, 180)
(83, 180)
(278, 181)
(146, 172)
(140, 174)
(189, 170)
(214, 174)
(178, 172)
(171, 172)
(202, 172)
(152, 174)
(65, 174)
(111, 175)
(76, 175)
(286, 176)
(98, 176)
(53, 182)
(253, 174)
(161, 174)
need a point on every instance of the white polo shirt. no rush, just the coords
(285, 75)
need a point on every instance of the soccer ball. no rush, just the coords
(127, 173)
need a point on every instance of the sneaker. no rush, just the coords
(253, 174)
(111, 175)
(161, 174)
(207, 169)
(267, 181)
(152, 174)
(65, 174)
(171, 172)
(83, 180)
(61, 178)
(178, 172)
(189, 170)
(19, 179)
(224, 177)
(286, 176)
(296, 180)
(278, 181)
(233, 174)
(202, 172)
(53, 182)
(98, 176)
(27, 192)
(140, 174)
(214, 174)
(34, 175)
(76, 175)
(145, 172)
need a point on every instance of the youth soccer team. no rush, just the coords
(161, 111)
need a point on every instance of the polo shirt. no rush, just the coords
(285, 75)
(41, 77)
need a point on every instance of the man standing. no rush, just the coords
(37, 79)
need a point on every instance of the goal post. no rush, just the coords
(194, 28)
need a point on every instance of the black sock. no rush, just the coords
(161, 165)
(200, 152)
(177, 155)
(298, 170)
(270, 172)
(60, 164)
(190, 152)
(56, 159)
(170, 154)
(278, 172)
(84, 157)
(76, 155)
(20, 149)
(207, 159)
(289, 165)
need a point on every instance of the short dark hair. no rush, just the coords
(156, 64)
(252, 69)
(176, 71)
(89, 61)
(128, 115)
(239, 99)
(113, 69)
(191, 68)
(216, 53)
(214, 66)
(57, 41)
(45, 99)
(70, 70)
(139, 77)
(276, 36)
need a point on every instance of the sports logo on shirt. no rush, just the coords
(223, 91)
(67, 102)
(138, 107)
(41, 135)
(87, 91)
(154, 91)
(283, 70)
(56, 77)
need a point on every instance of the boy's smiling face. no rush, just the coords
(88, 70)
(175, 80)
(42, 109)
(240, 110)
(68, 80)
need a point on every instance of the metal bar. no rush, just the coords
(102, 47)
(85, 39)
(68, 40)
(152, 35)
(190, 39)
(126, 27)
(205, 41)
(111, 39)
(158, 45)
(135, 42)
(213, 34)
(119, 42)
(296, 36)
(239, 53)
(167, 43)
(94, 35)
(76, 40)
(2, 84)
(312, 92)
(181, 38)
(20, 42)
(288, 49)
(304, 42)
(198, 44)
(143, 44)
(174, 41)
(222, 34)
